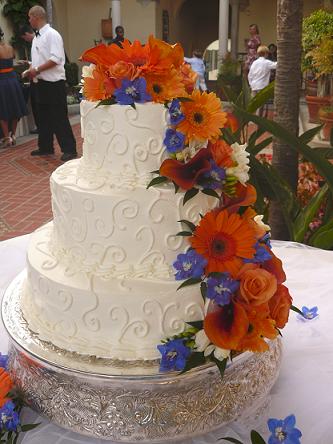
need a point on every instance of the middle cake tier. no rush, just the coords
(121, 231)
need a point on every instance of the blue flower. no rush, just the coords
(174, 140)
(284, 431)
(221, 289)
(309, 313)
(266, 239)
(189, 265)
(261, 255)
(213, 178)
(174, 354)
(176, 116)
(9, 418)
(132, 91)
(3, 361)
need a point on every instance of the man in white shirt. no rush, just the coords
(47, 68)
(260, 72)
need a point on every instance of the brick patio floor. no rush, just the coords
(25, 199)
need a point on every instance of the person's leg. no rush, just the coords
(34, 104)
(4, 127)
(13, 125)
(45, 133)
(7, 140)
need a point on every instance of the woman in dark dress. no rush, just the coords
(12, 104)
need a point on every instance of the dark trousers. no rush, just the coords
(34, 104)
(53, 117)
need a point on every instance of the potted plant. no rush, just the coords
(317, 41)
(229, 75)
(326, 117)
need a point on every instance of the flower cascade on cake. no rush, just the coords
(229, 252)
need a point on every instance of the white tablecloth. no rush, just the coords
(305, 384)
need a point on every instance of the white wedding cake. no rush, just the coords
(100, 278)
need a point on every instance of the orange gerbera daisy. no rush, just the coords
(204, 117)
(224, 240)
(222, 153)
(98, 87)
(165, 87)
(6, 385)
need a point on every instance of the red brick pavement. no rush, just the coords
(25, 199)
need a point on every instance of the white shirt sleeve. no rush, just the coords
(271, 65)
(56, 48)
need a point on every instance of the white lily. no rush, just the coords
(259, 220)
(241, 158)
(87, 71)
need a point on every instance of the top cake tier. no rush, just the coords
(121, 139)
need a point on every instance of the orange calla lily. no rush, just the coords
(274, 266)
(226, 326)
(245, 195)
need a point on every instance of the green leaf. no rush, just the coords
(296, 310)
(324, 167)
(27, 427)
(194, 360)
(203, 289)
(210, 192)
(216, 274)
(307, 214)
(260, 146)
(176, 187)
(309, 135)
(196, 324)
(133, 105)
(185, 99)
(261, 98)
(191, 281)
(221, 365)
(256, 438)
(184, 233)
(110, 101)
(191, 226)
(233, 440)
(190, 194)
(155, 172)
(156, 181)
(323, 238)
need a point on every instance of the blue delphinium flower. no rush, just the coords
(266, 239)
(283, 431)
(189, 265)
(176, 116)
(261, 255)
(310, 313)
(174, 140)
(3, 361)
(213, 178)
(221, 289)
(174, 354)
(132, 91)
(9, 418)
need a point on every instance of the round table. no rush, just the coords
(304, 385)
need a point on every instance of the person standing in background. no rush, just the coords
(252, 45)
(260, 73)
(47, 66)
(118, 40)
(27, 34)
(198, 66)
(12, 103)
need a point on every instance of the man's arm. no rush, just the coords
(35, 70)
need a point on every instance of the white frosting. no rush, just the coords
(121, 139)
(100, 278)
(108, 317)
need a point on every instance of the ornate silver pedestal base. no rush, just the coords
(131, 403)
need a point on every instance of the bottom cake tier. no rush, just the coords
(98, 315)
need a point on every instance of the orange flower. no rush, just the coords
(250, 214)
(245, 195)
(189, 77)
(165, 87)
(257, 286)
(222, 153)
(203, 117)
(6, 385)
(99, 87)
(232, 123)
(280, 305)
(123, 70)
(226, 326)
(224, 240)
(260, 326)
(162, 56)
(274, 266)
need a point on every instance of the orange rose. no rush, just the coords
(257, 286)
(6, 385)
(123, 70)
(279, 306)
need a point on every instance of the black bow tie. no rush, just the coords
(36, 32)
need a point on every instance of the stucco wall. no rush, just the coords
(138, 19)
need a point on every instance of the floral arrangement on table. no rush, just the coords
(10, 408)
(229, 252)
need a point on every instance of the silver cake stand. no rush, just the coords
(131, 402)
